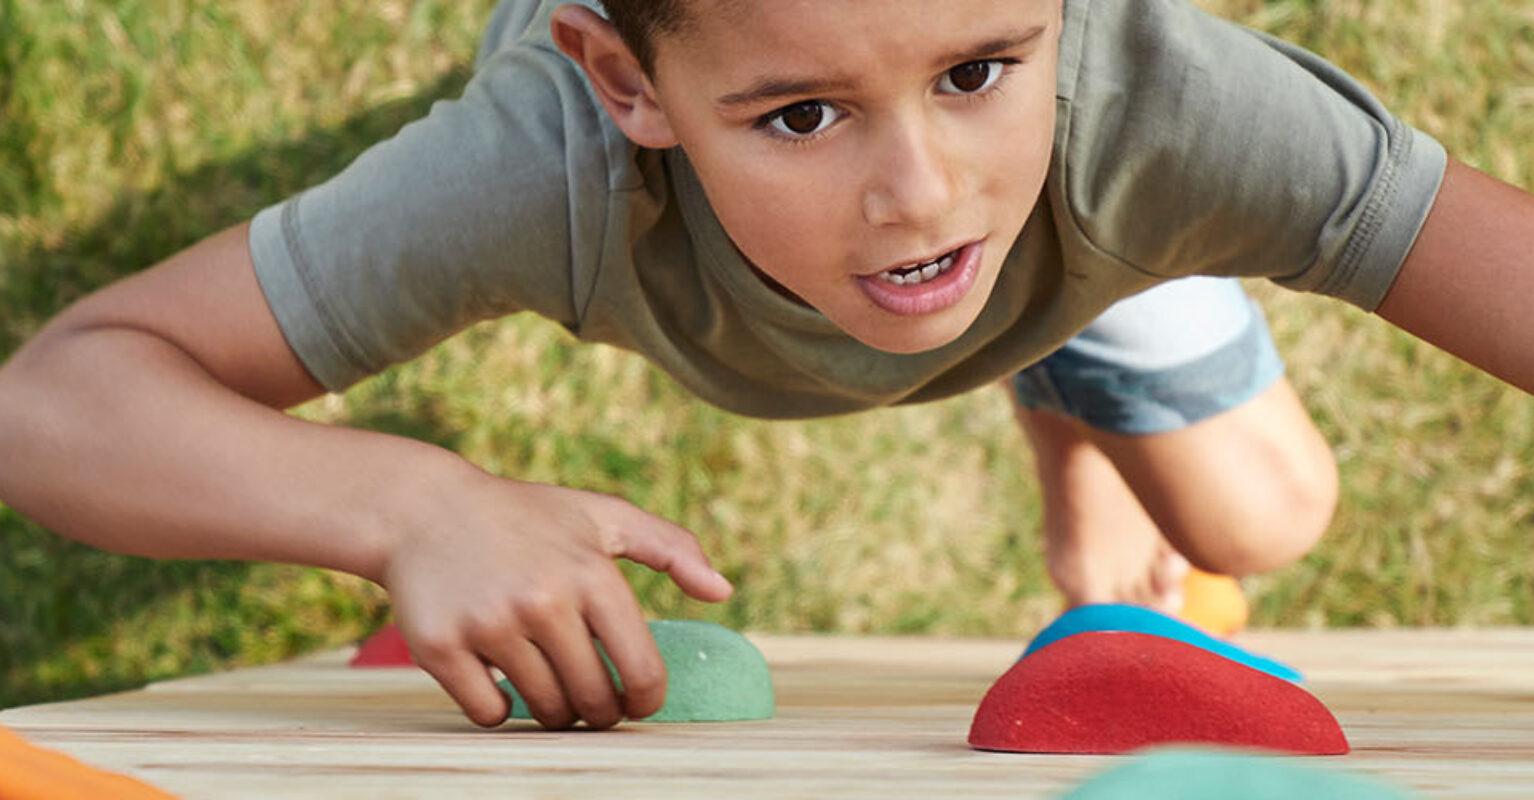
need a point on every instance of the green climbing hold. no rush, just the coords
(713, 674)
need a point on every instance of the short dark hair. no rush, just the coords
(640, 21)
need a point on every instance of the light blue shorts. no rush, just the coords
(1161, 360)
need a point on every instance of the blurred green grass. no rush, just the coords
(131, 129)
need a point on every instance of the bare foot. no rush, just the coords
(1100, 544)
(1126, 567)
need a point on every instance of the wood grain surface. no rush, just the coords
(1444, 713)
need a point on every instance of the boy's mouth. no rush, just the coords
(913, 274)
(924, 287)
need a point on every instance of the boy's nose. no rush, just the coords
(910, 180)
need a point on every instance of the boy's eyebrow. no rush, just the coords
(772, 88)
(1000, 44)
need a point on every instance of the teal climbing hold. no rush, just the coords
(713, 674)
(1183, 774)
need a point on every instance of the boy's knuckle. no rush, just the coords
(487, 623)
(434, 647)
(612, 531)
(537, 603)
(600, 579)
(688, 541)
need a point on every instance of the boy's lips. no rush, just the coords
(936, 293)
(907, 264)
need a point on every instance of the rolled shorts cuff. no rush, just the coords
(1120, 398)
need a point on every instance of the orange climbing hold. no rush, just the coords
(29, 772)
(1213, 603)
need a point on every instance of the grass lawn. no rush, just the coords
(131, 129)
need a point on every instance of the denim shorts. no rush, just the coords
(1161, 360)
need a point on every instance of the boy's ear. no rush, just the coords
(614, 71)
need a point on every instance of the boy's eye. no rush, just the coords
(802, 119)
(971, 77)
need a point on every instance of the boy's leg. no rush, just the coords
(1165, 434)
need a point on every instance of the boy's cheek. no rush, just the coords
(773, 214)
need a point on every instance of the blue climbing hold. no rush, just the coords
(1138, 619)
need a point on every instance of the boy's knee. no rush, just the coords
(1288, 510)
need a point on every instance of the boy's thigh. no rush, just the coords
(1159, 361)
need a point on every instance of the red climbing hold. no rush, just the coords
(386, 648)
(1112, 692)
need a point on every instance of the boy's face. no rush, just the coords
(842, 143)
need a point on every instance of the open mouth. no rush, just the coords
(920, 273)
(926, 286)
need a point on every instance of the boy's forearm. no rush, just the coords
(1466, 284)
(118, 439)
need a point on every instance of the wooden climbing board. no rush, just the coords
(1444, 713)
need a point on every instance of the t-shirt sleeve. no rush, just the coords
(1197, 146)
(493, 203)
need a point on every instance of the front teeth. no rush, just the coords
(927, 272)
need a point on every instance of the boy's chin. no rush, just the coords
(910, 348)
(918, 337)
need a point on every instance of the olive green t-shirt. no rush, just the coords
(1184, 145)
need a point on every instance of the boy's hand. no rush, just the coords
(521, 576)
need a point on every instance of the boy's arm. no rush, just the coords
(108, 412)
(1468, 284)
(146, 419)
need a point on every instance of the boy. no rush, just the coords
(795, 209)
